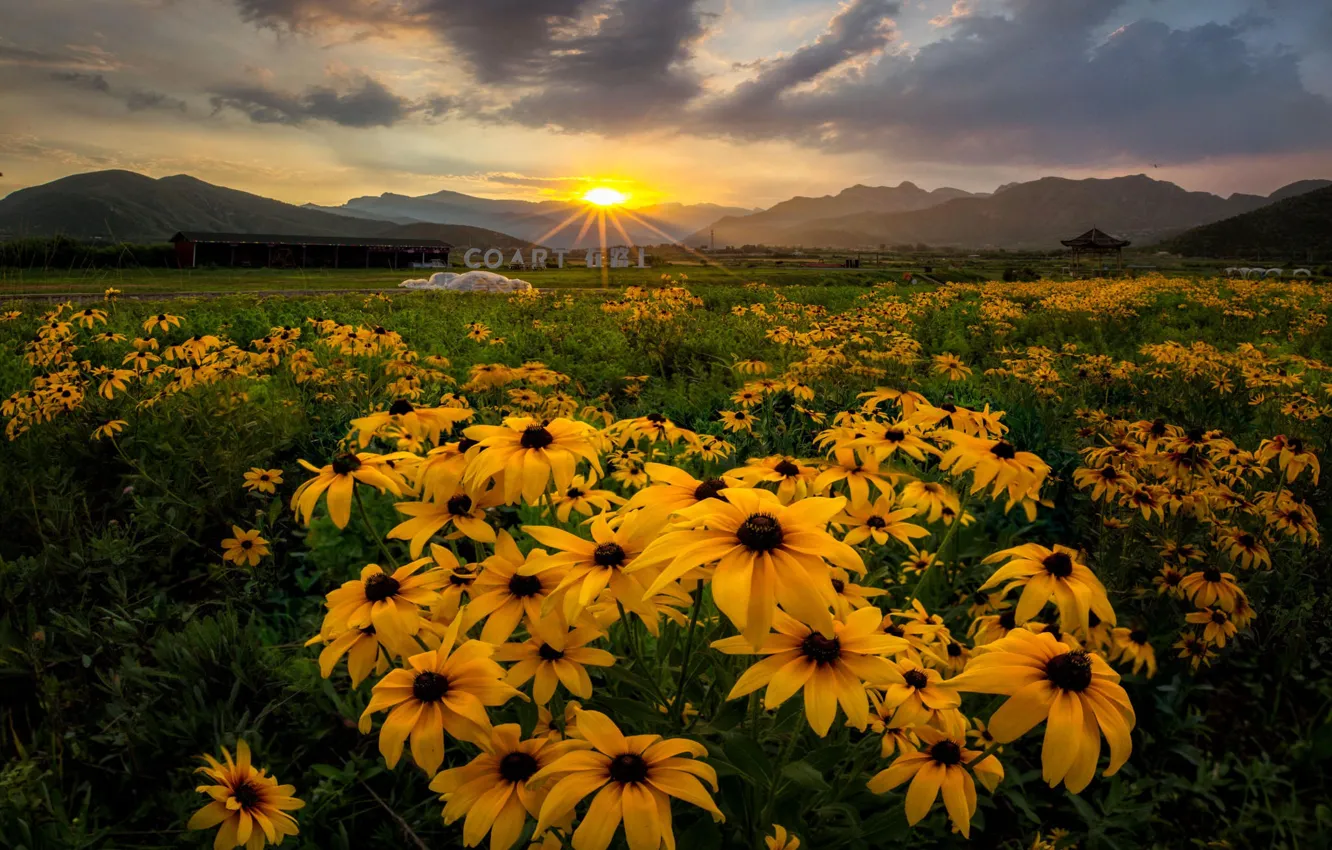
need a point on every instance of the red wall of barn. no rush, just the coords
(185, 255)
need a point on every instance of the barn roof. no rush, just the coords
(1095, 239)
(275, 239)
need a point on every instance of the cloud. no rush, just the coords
(370, 104)
(139, 99)
(82, 80)
(1043, 84)
(78, 56)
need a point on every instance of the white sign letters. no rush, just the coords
(493, 258)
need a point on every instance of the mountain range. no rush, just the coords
(1032, 215)
(1296, 229)
(127, 206)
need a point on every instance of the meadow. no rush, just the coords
(701, 563)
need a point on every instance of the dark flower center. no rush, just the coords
(429, 687)
(1071, 671)
(524, 585)
(895, 630)
(1219, 617)
(1195, 435)
(549, 653)
(380, 587)
(517, 767)
(609, 555)
(629, 769)
(535, 437)
(1008, 620)
(1158, 427)
(1246, 540)
(466, 443)
(655, 417)
(1003, 450)
(461, 579)
(1109, 473)
(246, 544)
(400, 407)
(948, 406)
(894, 435)
(1138, 636)
(247, 795)
(790, 470)
(460, 505)
(954, 650)
(946, 753)
(916, 679)
(573, 493)
(1092, 620)
(709, 489)
(344, 464)
(820, 649)
(1173, 578)
(876, 522)
(1059, 565)
(838, 585)
(760, 533)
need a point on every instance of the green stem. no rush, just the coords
(952, 529)
(766, 820)
(684, 662)
(370, 528)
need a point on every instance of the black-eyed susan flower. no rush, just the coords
(245, 547)
(426, 423)
(109, 429)
(940, 765)
(736, 421)
(858, 475)
(1134, 645)
(590, 566)
(259, 480)
(634, 777)
(443, 690)
(491, 790)
(502, 594)
(554, 656)
(919, 696)
(390, 603)
(850, 596)
(1050, 574)
(831, 671)
(583, 497)
(1209, 587)
(464, 511)
(338, 478)
(879, 522)
(363, 649)
(1216, 623)
(162, 322)
(1074, 691)
(249, 806)
(529, 455)
(951, 366)
(766, 553)
(995, 464)
(780, 839)
(673, 489)
(1193, 647)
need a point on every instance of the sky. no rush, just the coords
(738, 102)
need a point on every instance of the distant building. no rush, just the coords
(1097, 243)
(259, 250)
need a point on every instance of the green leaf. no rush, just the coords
(805, 775)
(748, 757)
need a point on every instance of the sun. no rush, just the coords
(604, 196)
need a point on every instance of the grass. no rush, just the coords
(127, 645)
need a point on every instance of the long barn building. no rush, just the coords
(259, 250)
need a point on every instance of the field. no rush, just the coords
(1027, 565)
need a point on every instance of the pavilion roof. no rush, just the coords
(1096, 240)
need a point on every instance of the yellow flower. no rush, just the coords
(338, 478)
(952, 366)
(590, 566)
(673, 489)
(259, 480)
(390, 603)
(162, 321)
(465, 510)
(501, 594)
(767, 554)
(779, 840)
(831, 671)
(919, 696)
(634, 778)
(247, 547)
(491, 789)
(1051, 574)
(736, 421)
(109, 429)
(1074, 691)
(1216, 623)
(879, 522)
(444, 689)
(249, 804)
(940, 765)
(794, 478)
(1136, 646)
(364, 649)
(581, 496)
(528, 454)
(554, 656)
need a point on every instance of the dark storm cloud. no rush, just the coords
(1045, 84)
(81, 80)
(370, 104)
(138, 100)
(632, 71)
